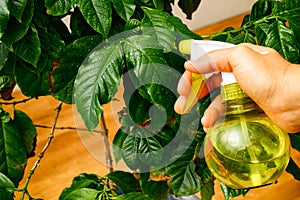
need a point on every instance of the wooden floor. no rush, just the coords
(68, 156)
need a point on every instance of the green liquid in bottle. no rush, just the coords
(245, 148)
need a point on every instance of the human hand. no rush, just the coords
(271, 81)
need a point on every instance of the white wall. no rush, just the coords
(212, 11)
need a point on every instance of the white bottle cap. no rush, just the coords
(228, 78)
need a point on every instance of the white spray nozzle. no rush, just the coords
(201, 47)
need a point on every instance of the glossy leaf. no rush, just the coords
(159, 4)
(17, 8)
(29, 47)
(27, 129)
(157, 24)
(125, 180)
(261, 33)
(295, 141)
(16, 30)
(293, 169)
(98, 14)
(207, 191)
(4, 82)
(118, 143)
(65, 73)
(124, 8)
(184, 180)
(4, 15)
(149, 149)
(292, 16)
(82, 194)
(151, 70)
(260, 9)
(13, 154)
(138, 107)
(243, 38)
(6, 188)
(189, 6)
(133, 195)
(130, 151)
(3, 54)
(283, 40)
(157, 190)
(87, 186)
(30, 80)
(231, 193)
(79, 27)
(58, 7)
(97, 82)
(185, 32)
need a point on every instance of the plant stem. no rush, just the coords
(41, 155)
(106, 143)
(66, 127)
(242, 28)
(17, 102)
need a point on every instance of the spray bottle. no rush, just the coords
(244, 148)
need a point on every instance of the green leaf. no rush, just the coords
(207, 191)
(151, 70)
(292, 15)
(16, 30)
(184, 180)
(65, 73)
(30, 80)
(27, 129)
(3, 54)
(295, 141)
(13, 154)
(124, 8)
(82, 194)
(29, 47)
(98, 14)
(186, 33)
(118, 143)
(159, 4)
(125, 180)
(4, 82)
(150, 151)
(243, 38)
(80, 184)
(283, 40)
(260, 9)
(231, 193)
(261, 33)
(133, 196)
(293, 169)
(157, 25)
(79, 27)
(130, 150)
(97, 82)
(4, 15)
(155, 189)
(58, 7)
(17, 8)
(189, 6)
(138, 107)
(6, 188)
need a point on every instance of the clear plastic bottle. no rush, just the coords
(245, 148)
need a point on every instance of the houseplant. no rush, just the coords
(137, 41)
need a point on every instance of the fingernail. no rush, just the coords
(180, 104)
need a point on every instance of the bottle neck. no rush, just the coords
(236, 100)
